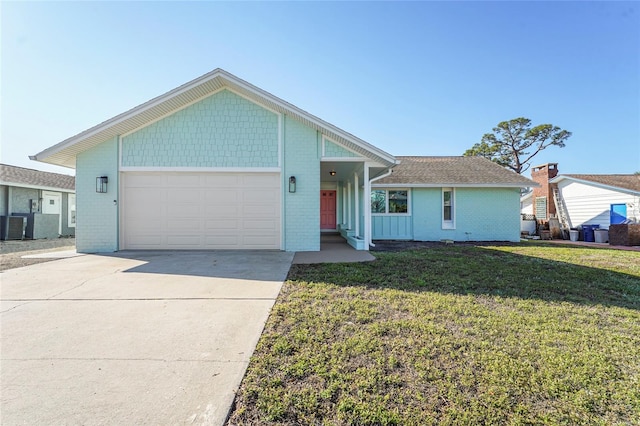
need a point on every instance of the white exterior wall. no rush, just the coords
(526, 206)
(587, 204)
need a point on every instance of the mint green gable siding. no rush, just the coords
(97, 214)
(222, 130)
(482, 214)
(301, 209)
(333, 150)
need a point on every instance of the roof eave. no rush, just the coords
(560, 178)
(41, 187)
(56, 153)
(452, 185)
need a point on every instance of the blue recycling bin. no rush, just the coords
(589, 235)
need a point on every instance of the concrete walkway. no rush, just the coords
(333, 249)
(133, 338)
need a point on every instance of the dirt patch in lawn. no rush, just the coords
(398, 245)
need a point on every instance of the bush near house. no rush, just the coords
(502, 334)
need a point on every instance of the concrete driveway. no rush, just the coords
(134, 337)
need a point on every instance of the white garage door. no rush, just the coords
(200, 211)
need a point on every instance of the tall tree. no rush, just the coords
(514, 143)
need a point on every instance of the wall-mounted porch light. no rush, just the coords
(101, 184)
(332, 172)
(292, 184)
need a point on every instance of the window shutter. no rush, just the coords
(541, 208)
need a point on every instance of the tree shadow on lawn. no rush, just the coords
(479, 269)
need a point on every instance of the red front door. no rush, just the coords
(327, 209)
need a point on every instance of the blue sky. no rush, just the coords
(414, 78)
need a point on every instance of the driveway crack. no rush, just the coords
(14, 307)
(69, 289)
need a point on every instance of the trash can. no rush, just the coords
(573, 234)
(589, 235)
(601, 235)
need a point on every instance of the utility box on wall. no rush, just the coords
(45, 226)
(40, 225)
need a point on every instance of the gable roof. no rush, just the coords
(31, 178)
(452, 171)
(625, 183)
(64, 153)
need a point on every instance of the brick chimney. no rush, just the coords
(543, 196)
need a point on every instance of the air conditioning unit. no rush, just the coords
(12, 227)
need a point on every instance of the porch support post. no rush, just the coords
(349, 205)
(356, 200)
(366, 205)
(344, 204)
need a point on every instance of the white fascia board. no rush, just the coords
(559, 179)
(313, 119)
(42, 188)
(195, 101)
(345, 160)
(124, 116)
(449, 185)
(43, 155)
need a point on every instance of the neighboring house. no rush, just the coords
(46, 199)
(526, 203)
(587, 199)
(599, 199)
(218, 163)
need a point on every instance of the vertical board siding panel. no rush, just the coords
(391, 227)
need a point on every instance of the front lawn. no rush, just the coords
(507, 334)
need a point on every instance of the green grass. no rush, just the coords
(510, 334)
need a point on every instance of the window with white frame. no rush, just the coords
(72, 210)
(448, 209)
(390, 201)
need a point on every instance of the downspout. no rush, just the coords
(387, 173)
(382, 176)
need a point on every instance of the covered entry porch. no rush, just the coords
(345, 207)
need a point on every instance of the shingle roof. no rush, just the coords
(452, 171)
(20, 176)
(630, 182)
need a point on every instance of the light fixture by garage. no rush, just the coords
(332, 172)
(101, 184)
(292, 184)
